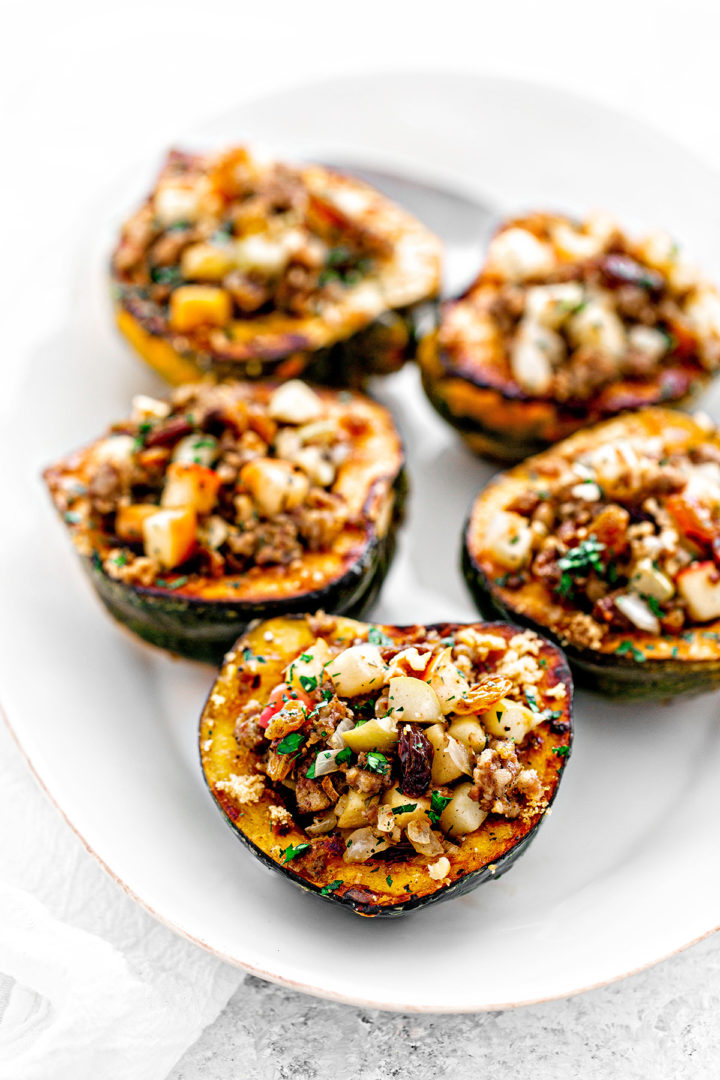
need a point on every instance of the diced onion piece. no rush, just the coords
(377, 734)
(413, 701)
(588, 491)
(192, 306)
(198, 449)
(516, 254)
(638, 612)
(439, 870)
(169, 536)
(129, 521)
(394, 798)
(295, 403)
(362, 844)
(358, 670)
(274, 485)
(699, 586)
(462, 815)
(190, 485)
(308, 667)
(510, 720)
(508, 538)
(325, 762)
(649, 581)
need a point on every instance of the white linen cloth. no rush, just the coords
(90, 984)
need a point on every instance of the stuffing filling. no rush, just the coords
(626, 535)
(404, 746)
(567, 308)
(216, 480)
(231, 236)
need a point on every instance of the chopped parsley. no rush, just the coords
(627, 648)
(72, 517)
(377, 762)
(120, 559)
(249, 655)
(308, 683)
(332, 887)
(306, 657)
(654, 604)
(291, 743)
(438, 803)
(293, 852)
(561, 751)
(389, 880)
(177, 584)
(406, 808)
(376, 637)
(579, 560)
(166, 275)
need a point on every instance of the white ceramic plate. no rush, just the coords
(627, 869)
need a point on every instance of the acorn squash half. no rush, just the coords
(635, 604)
(568, 323)
(266, 697)
(194, 593)
(241, 267)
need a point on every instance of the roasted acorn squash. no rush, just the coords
(608, 543)
(242, 267)
(349, 809)
(568, 324)
(231, 502)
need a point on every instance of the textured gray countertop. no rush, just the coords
(662, 1023)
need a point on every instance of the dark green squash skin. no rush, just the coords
(615, 676)
(204, 630)
(360, 901)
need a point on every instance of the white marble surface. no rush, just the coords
(76, 80)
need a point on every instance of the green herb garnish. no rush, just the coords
(376, 637)
(377, 762)
(627, 647)
(561, 751)
(438, 803)
(293, 852)
(291, 743)
(332, 887)
(406, 808)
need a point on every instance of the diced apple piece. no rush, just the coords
(129, 521)
(195, 486)
(508, 538)
(169, 536)
(308, 667)
(197, 449)
(358, 670)
(450, 758)
(516, 254)
(462, 815)
(447, 681)
(597, 326)
(534, 351)
(394, 798)
(149, 408)
(192, 306)
(352, 809)
(116, 450)
(377, 734)
(509, 720)
(413, 701)
(699, 586)
(274, 485)
(469, 731)
(206, 262)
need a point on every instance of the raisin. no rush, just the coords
(416, 754)
(169, 433)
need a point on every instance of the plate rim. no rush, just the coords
(557, 92)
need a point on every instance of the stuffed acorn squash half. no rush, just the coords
(231, 502)
(609, 543)
(569, 323)
(240, 266)
(385, 768)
